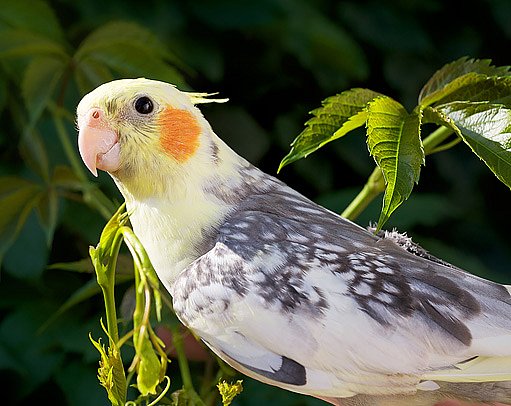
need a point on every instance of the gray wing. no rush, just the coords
(282, 267)
(384, 279)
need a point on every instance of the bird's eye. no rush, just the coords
(144, 105)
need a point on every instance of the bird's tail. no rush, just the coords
(480, 369)
(486, 379)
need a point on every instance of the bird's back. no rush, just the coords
(368, 304)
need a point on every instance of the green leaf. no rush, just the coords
(27, 257)
(83, 266)
(110, 232)
(455, 86)
(496, 90)
(47, 210)
(39, 82)
(441, 84)
(119, 34)
(111, 372)
(131, 61)
(229, 391)
(17, 198)
(393, 139)
(437, 116)
(34, 153)
(486, 128)
(89, 74)
(338, 115)
(148, 371)
(322, 46)
(123, 273)
(64, 177)
(18, 43)
(32, 15)
(137, 52)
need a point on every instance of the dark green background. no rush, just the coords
(275, 60)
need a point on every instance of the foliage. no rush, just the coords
(111, 373)
(49, 66)
(229, 391)
(273, 59)
(149, 367)
(468, 97)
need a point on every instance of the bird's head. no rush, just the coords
(147, 134)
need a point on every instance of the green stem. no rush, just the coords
(138, 312)
(446, 146)
(111, 315)
(107, 283)
(434, 139)
(207, 378)
(177, 338)
(373, 187)
(376, 185)
(162, 394)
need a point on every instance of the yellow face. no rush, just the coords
(128, 124)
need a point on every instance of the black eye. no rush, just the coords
(144, 105)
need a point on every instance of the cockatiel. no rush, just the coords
(282, 289)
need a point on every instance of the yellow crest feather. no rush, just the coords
(199, 98)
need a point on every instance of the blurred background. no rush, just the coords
(275, 60)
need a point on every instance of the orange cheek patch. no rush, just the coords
(179, 133)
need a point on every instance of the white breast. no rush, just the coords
(171, 232)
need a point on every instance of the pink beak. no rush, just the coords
(98, 142)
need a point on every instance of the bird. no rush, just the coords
(282, 289)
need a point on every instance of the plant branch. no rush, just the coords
(445, 146)
(108, 289)
(433, 140)
(375, 185)
(177, 338)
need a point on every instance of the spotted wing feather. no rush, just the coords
(290, 290)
